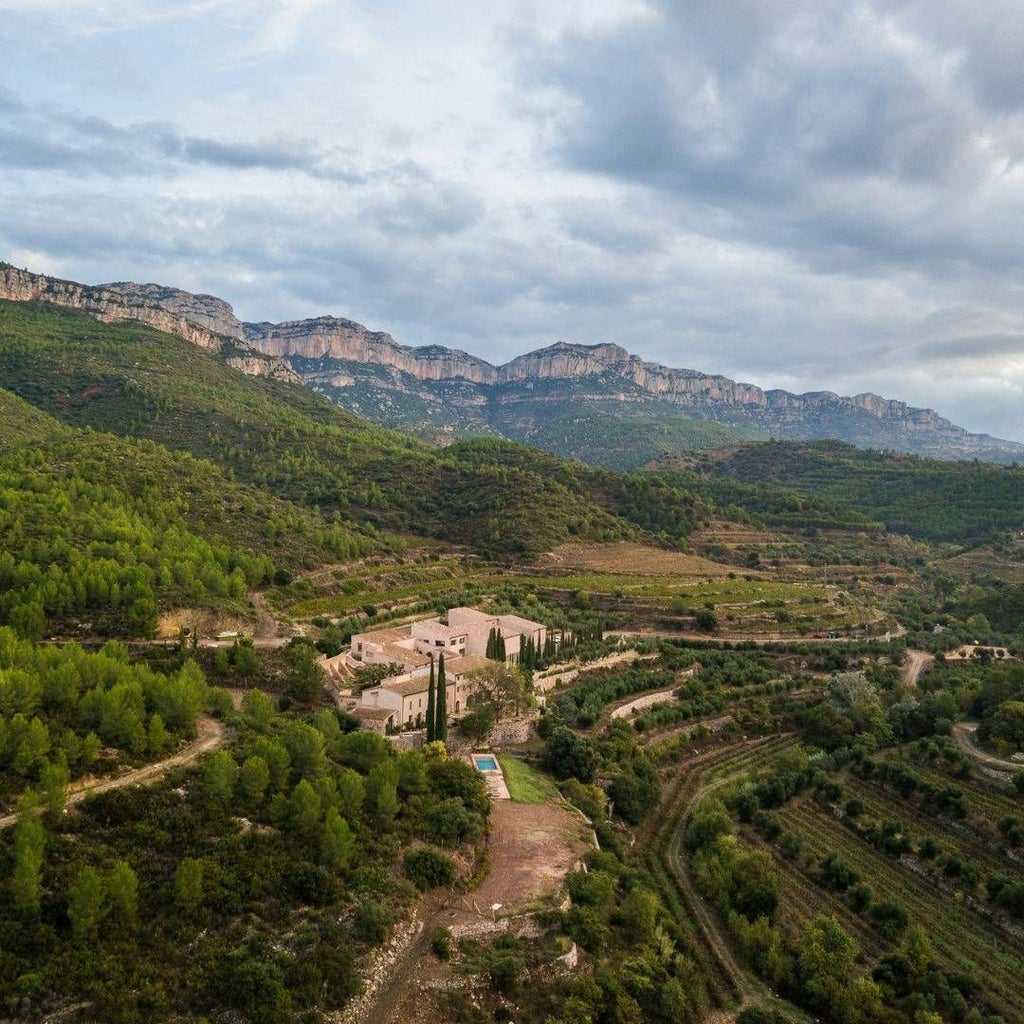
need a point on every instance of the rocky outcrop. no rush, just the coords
(346, 341)
(201, 319)
(205, 311)
(363, 370)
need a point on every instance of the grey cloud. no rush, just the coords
(778, 114)
(426, 209)
(46, 138)
(972, 348)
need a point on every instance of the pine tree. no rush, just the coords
(431, 705)
(441, 723)
(85, 902)
(29, 840)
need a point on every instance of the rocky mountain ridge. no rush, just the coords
(334, 340)
(441, 393)
(596, 402)
(204, 320)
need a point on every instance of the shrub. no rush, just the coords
(441, 943)
(428, 869)
(372, 922)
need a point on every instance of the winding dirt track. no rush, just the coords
(211, 736)
(964, 734)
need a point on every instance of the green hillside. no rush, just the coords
(961, 502)
(282, 438)
(616, 440)
(113, 531)
(21, 423)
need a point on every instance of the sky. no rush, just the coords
(805, 194)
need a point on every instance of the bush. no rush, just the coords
(890, 916)
(568, 755)
(372, 922)
(441, 943)
(428, 869)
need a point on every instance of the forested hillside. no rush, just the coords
(935, 501)
(108, 530)
(282, 438)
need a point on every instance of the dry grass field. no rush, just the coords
(629, 557)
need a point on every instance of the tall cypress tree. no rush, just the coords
(441, 722)
(500, 654)
(431, 701)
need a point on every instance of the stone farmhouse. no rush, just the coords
(460, 632)
(406, 695)
(400, 701)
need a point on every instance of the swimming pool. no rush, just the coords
(485, 764)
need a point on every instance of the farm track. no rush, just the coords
(727, 983)
(211, 735)
(964, 734)
(961, 939)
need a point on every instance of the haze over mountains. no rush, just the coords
(597, 403)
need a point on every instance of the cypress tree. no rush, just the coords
(431, 703)
(500, 653)
(522, 650)
(441, 723)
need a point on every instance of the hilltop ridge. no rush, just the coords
(599, 403)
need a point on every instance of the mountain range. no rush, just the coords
(596, 403)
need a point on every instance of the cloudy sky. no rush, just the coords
(805, 194)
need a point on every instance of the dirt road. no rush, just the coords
(916, 662)
(760, 639)
(211, 736)
(532, 848)
(964, 735)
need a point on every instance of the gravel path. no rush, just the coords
(211, 736)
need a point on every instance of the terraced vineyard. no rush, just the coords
(661, 842)
(988, 801)
(963, 940)
(801, 900)
(954, 836)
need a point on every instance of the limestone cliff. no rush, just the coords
(205, 311)
(347, 341)
(446, 393)
(203, 320)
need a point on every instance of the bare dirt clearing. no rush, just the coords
(532, 847)
(628, 557)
